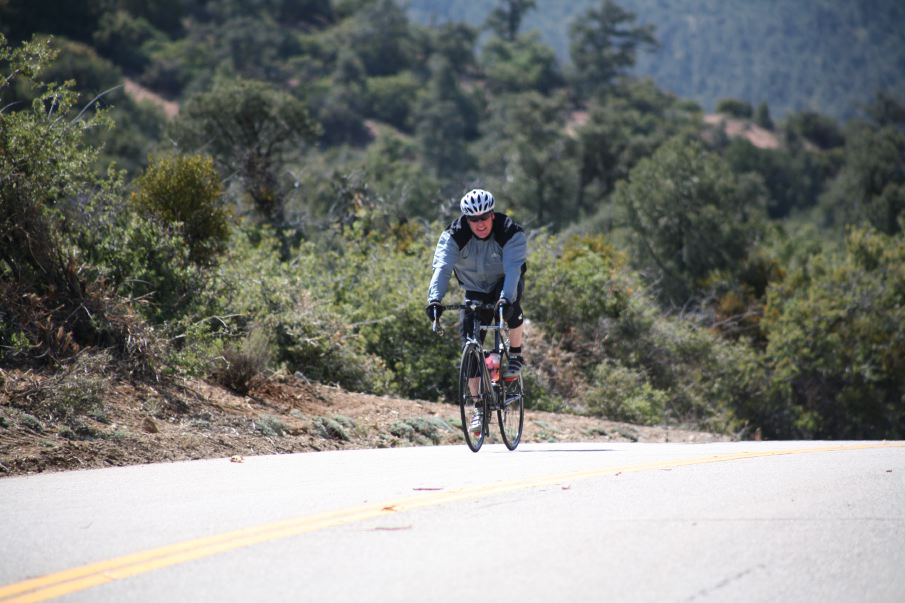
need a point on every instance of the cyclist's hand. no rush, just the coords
(434, 310)
(506, 307)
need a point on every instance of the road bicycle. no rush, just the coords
(481, 385)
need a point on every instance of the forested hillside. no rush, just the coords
(818, 55)
(744, 273)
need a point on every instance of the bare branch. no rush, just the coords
(94, 100)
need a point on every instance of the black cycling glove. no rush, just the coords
(434, 310)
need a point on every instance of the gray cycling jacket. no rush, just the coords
(480, 264)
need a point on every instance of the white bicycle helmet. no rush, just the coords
(476, 202)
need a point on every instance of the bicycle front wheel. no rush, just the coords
(474, 389)
(511, 414)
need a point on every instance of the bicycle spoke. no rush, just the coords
(472, 395)
(511, 415)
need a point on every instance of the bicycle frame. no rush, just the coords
(498, 397)
(474, 306)
(501, 329)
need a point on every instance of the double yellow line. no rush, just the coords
(88, 576)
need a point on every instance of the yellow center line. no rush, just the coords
(80, 578)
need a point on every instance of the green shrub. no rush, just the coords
(640, 365)
(575, 283)
(253, 290)
(836, 344)
(623, 394)
(144, 260)
(693, 366)
(377, 280)
(271, 426)
(423, 431)
(331, 429)
(78, 430)
(31, 422)
(184, 191)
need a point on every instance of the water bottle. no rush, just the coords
(493, 365)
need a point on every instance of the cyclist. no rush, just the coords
(487, 251)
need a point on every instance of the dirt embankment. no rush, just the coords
(141, 94)
(143, 423)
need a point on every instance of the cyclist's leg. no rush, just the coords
(517, 319)
(516, 325)
(517, 322)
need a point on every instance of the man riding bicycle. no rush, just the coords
(487, 251)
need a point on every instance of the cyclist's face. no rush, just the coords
(481, 227)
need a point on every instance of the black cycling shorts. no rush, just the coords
(486, 316)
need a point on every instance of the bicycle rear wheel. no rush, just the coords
(511, 414)
(474, 389)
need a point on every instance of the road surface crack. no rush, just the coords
(706, 592)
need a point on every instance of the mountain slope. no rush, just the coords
(819, 55)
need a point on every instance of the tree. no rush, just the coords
(165, 15)
(603, 44)
(124, 38)
(514, 62)
(762, 116)
(887, 110)
(689, 216)
(381, 36)
(794, 178)
(506, 19)
(98, 80)
(251, 46)
(444, 119)
(520, 65)
(399, 179)
(620, 130)
(530, 148)
(870, 187)
(249, 127)
(455, 42)
(74, 19)
(342, 111)
(810, 126)
(734, 108)
(391, 98)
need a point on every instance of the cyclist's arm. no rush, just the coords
(515, 254)
(445, 257)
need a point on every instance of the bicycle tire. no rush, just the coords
(472, 363)
(511, 413)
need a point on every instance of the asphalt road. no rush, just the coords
(779, 521)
